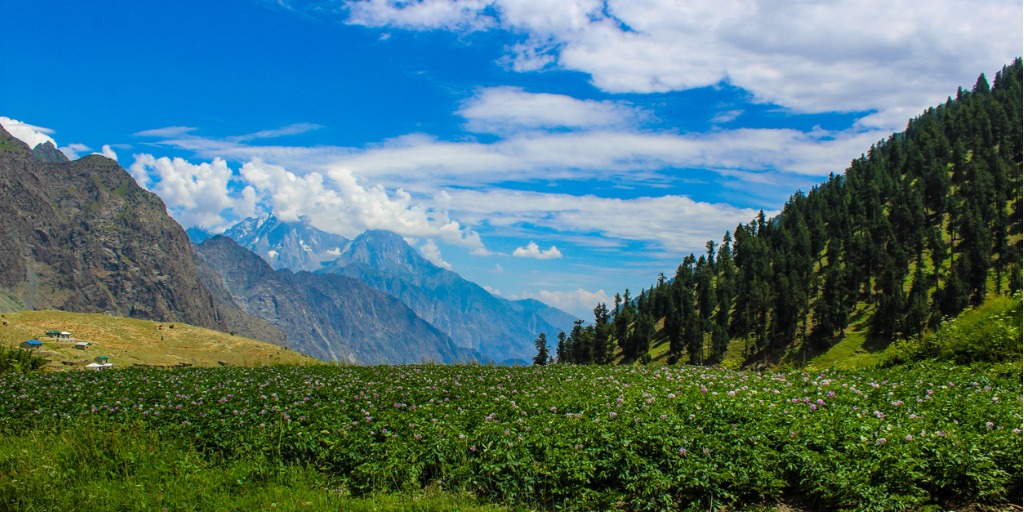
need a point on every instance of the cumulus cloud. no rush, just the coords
(532, 250)
(27, 133)
(211, 194)
(196, 195)
(804, 56)
(432, 253)
(108, 152)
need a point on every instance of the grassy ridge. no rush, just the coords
(129, 341)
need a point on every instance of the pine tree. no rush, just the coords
(918, 312)
(602, 331)
(542, 356)
(563, 349)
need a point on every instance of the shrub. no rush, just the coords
(14, 360)
(991, 334)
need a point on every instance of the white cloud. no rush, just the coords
(673, 223)
(421, 14)
(169, 131)
(726, 117)
(196, 195)
(292, 129)
(212, 195)
(27, 133)
(505, 110)
(108, 152)
(72, 151)
(845, 55)
(422, 163)
(432, 253)
(532, 250)
(579, 302)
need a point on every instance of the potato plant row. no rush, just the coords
(580, 437)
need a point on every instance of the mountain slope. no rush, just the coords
(330, 317)
(292, 245)
(130, 341)
(921, 226)
(83, 236)
(501, 330)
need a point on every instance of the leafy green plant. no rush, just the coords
(991, 334)
(16, 360)
(560, 436)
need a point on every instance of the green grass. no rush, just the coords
(131, 341)
(117, 468)
(990, 333)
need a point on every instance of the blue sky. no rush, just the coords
(556, 149)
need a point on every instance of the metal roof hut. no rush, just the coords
(64, 336)
(53, 333)
(31, 344)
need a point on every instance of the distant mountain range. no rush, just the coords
(500, 329)
(292, 245)
(331, 317)
(83, 236)
(496, 329)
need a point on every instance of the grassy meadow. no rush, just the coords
(129, 341)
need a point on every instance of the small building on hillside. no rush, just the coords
(82, 345)
(103, 359)
(64, 336)
(53, 333)
(31, 344)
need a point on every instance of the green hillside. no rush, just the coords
(921, 227)
(133, 342)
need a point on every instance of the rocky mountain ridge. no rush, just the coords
(499, 329)
(83, 236)
(331, 317)
(292, 245)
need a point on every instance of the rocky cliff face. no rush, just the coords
(330, 317)
(48, 153)
(83, 236)
(501, 330)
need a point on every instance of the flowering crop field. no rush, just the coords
(580, 437)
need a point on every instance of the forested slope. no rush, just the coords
(921, 226)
